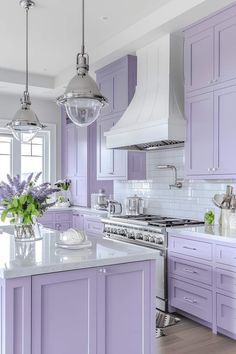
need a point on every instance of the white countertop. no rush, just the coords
(214, 232)
(25, 259)
(80, 209)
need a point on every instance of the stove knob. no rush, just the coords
(146, 237)
(159, 241)
(131, 235)
(151, 239)
(139, 236)
(107, 229)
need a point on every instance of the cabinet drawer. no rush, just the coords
(202, 250)
(62, 226)
(191, 299)
(226, 280)
(63, 217)
(191, 270)
(226, 255)
(94, 227)
(226, 313)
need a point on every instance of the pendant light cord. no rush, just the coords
(27, 52)
(82, 47)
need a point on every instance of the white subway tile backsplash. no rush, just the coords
(191, 201)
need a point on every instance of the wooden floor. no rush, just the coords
(188, 337)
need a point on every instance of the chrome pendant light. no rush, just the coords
(82, 99)
(25, 124)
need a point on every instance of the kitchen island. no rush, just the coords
(55, 301)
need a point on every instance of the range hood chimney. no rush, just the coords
(155, 116)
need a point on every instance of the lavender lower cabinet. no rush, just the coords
(226, 313)
(78, 221)
(15, 316)
(93, 226)
(60, 221)
(202, 281)
(192, 299)
(64, 313)
(125, 310)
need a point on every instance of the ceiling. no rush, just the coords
(55, 36)
(55, 30)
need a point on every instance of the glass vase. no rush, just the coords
(30, 232)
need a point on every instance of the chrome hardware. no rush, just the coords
(159, 241)
(190, 271)
(190, 248)
(190, 300)
(209, 169)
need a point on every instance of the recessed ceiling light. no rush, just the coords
(103, 18)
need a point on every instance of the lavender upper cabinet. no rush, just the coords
(75, 151)
(124, 317)
(199, 142)
(64, 313)
(225, 51)
(117, 82)
(225, 127)
(210, 70)
(198, 66)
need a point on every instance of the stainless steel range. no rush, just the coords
(148, 231)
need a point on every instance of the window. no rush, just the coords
(24, 158)
(5, 156)
(32, 157)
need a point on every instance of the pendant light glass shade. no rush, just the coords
(82, 99)
(25, 124)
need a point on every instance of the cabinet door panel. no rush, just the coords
(81, 152)
(71, 149)
(120, 98)
(225, 50)
(225, 128)
(106, 86)
(226, 313)
(105, 157)
(126, 325)
(64, 313)
(199, 62)
(199, 143)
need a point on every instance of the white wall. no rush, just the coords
(190, 202)
(47, 111)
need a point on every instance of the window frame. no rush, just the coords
(49, 172)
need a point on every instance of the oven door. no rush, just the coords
(161, 281)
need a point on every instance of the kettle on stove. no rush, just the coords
(134, 205)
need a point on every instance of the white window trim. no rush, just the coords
(50, 157)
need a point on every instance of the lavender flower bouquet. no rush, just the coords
(24, 201)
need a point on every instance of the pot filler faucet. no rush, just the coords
(177, 183)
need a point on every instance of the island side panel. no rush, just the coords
(16, 316)
(126, 308)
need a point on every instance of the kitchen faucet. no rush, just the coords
(177, 183)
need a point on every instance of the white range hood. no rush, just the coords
(155, 116)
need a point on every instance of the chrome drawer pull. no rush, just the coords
(190, 248)
(189, 300)
(190, 271)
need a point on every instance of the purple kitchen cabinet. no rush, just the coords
(15, 316)
(118, 81)
(200, 135)
(60, 220)
(225, 127)
(78, 221)
(93, 226)
(125, 309)
(203, 289)
(117, 164)
(64, 313)
(199, 59)
(225, 50)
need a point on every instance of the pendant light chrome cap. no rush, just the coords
(82, 99)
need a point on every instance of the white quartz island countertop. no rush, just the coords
(19, 259)
(214, 232)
